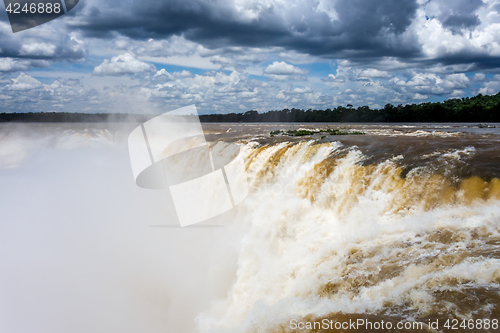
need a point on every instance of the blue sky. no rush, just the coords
(153, 56)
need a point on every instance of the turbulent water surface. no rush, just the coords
(399, 224)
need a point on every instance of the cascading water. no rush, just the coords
(399, 225)
(328, 236)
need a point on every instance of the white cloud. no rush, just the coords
(432, 67)
(122, 65)
(38, 50)
(222, 61)
(12, 65)
(183, 74)
(24, 82)
(173, 46)
(419, 96)
(25, 93)
(491, 87)
(371, 72)
(336, 79)
(282, 68)
(438, 40)
(284, 77)
(478, 77)
(456, 81)
(330, 77)
(163, 75)
(298, 58)
(430, 83)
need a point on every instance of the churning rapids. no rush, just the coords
(402, 223)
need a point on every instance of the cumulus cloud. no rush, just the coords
(282, 68)
(491, 86)
(419, 96)
(183, 74)
(27, 94)
(429, 83)
(173, 46)
(217, 92)
(24, 82)
(368, 52)
(329, 78)
(478, 77)
(12, 65)
(281, 77)
(38, 47)
(334, 78)
(45, 42)
(371, 72)
(38, 50)
(163, 76)
(281, 71)
(122, 65)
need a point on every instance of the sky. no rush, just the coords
(153, 56)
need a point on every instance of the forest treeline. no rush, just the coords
(481, 108)
(475, 109)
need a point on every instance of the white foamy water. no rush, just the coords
(330, 236)
(418, 133)
(320, 233)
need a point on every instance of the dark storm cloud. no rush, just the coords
(456, 15)
(477, 61)
(61, 48)
(461, 21)
(38, 45)
(361, 28)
